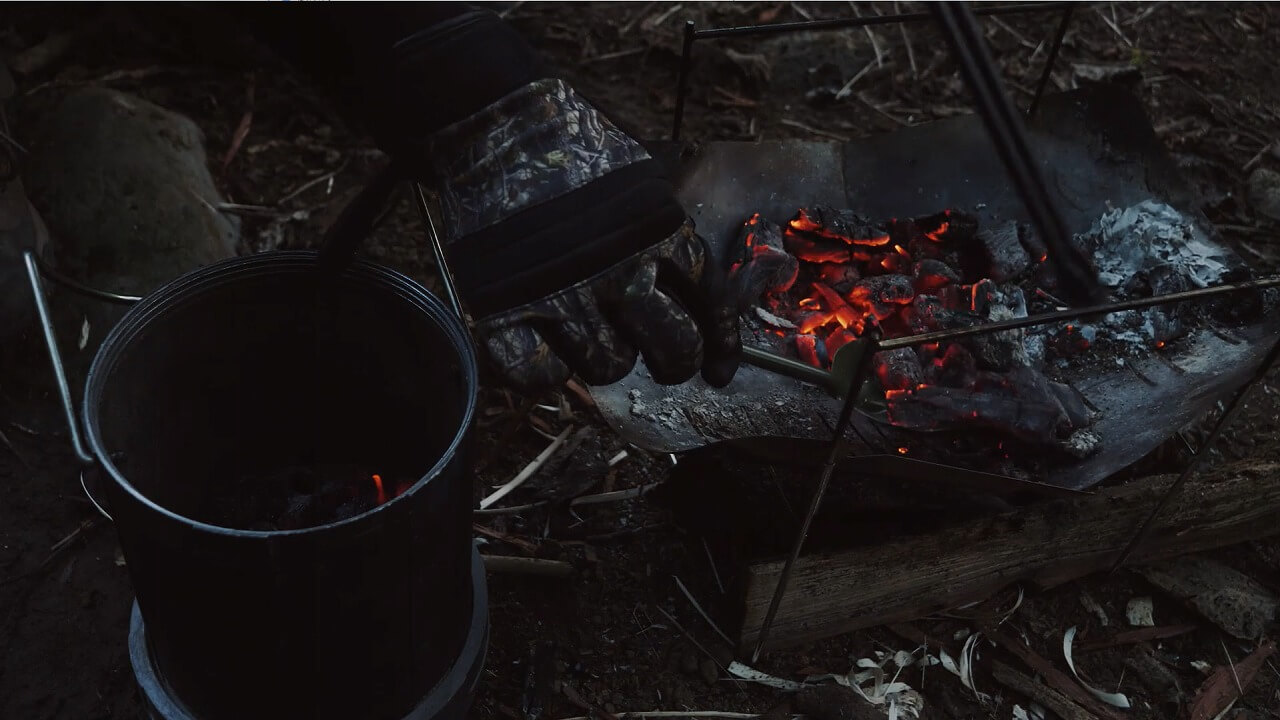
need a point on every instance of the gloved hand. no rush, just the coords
(567, 244)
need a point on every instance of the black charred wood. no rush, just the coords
(1003, 257)
(819, 249)
(898, 369)
(932, 274)
(764, 265)
(839, 276)
(959, 369)
(891, 289)
(843, 224)
(935, 407)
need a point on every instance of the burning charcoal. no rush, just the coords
(1035, 247)
(838, 308)
(922, 248)
(1068, 341)
(765, 265)
(957, 368)
(839, 225)
(997, 351)
(1003, 252)
(812, 350)
(898, 369)
(824, 250)
(897, 262)
(839, 339)
(930, 313)
(839, 276)
(1073, 404)
(932, 274)
(934, 407)
(950, 226)
(886, 289)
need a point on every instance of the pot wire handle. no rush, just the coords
(437, 247)
(55, 359)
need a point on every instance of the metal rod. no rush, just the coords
(1052, 60)
(840, 23)
(682, 84)
(437, 247)
(1005, 127)
(77, 286)
(827, 379)
(1228, 414)
(55, 358)
(1071, 313)
(862, 366)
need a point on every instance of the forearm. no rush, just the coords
(400, 69)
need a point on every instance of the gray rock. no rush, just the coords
(1236, 603)
(1264, 193)
(1124, 75)
(125, 188)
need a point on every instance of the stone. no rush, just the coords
(1264, 193)
(1236, 603)
(1122, 74)
(125, 187)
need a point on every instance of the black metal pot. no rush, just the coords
(248, 365)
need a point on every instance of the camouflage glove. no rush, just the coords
(570, 249)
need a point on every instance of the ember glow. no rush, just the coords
(848, 276)
(382, 493)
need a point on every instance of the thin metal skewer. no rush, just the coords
(437, 247)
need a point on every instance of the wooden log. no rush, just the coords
(1044, 544)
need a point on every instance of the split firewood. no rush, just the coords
(1133, 637)
(910, 577)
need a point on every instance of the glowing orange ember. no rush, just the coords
(902, 451)
(382, 494)
(936, 235)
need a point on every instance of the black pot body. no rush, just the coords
(257, 363)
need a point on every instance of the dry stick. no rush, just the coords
(1111, 24)
(1232, 664)
(528, 470)
(9, 444)
(847, 90)
(862, 98)
(313, 182)
(1055, 701)
(608, 497)
(810, 129)
(1258, 158)
(911, 54)
(870, 35)
(1057, 679)
(512, 565)
(689, 596)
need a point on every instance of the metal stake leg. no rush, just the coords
(1051, 60)
(861, 368)
(1193, 464)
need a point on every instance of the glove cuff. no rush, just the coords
(533, 145)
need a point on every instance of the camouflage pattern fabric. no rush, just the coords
(533, 145)
(540, 344)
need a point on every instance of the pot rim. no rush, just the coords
(219, 274)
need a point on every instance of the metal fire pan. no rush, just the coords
(1097, 150)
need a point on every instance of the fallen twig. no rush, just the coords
(810, 129)
(847, 90)
(9, 444)
(492, 534)
(607, 497)
(870, 36)
(511, 565)
(577, 389)
(911, 53)
(689, 596)
(528, 470)
(313, 182)
(1133, 637)
(242, 130)
(1111, 24)
(1057, 679)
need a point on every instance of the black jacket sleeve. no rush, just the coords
(400, 70)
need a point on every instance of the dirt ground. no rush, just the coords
(619, 635)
